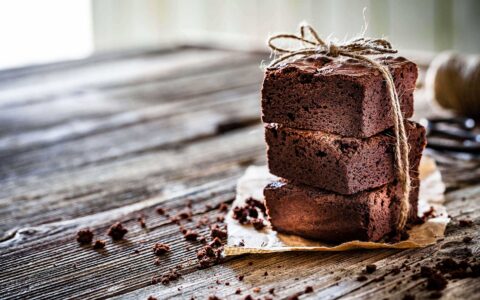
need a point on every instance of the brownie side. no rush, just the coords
(335, 163)
(344, 97)
(316, 214)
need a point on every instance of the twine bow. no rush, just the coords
(359, 49)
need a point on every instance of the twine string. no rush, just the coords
(358, 49)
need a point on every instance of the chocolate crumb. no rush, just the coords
(216, 231)
(240, 277)
(238, 291)
(216, 243)
(213, 298)
(160, 211)
(160, 249)
(141, 221)
(467, 239)
(396, 271)
(256, 290)
(248, 297)
(258, 224)
(465, 223)
(362, 278)
(437, 282)
(190, 235)
(84, 236)
(370, 268)
(151, 298)
(117, 231)
(308, 290)
(408, 297)
(272, 291)
(223, 207)
(99, 244)
(436, 295)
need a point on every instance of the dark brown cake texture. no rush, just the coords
(342, 96)
(317, 214)
(335, 163)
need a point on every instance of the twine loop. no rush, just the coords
(358, 49)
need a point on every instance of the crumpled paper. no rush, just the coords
(245, 239)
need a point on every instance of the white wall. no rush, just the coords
(430, 25)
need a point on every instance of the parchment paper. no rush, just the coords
(251, 184)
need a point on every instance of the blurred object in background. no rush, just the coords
(49, 30)
(454, 81)
(35, 32)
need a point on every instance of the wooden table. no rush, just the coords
(109, 138)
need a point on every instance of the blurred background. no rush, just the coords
(35, 32)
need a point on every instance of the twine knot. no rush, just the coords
(333, 50)
(358, 49)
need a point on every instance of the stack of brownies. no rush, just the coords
(328, 127)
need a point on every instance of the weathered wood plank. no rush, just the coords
(51, 271)
(31, 89)
(78, 108)
(101, 186)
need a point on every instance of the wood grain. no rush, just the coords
(110, 139)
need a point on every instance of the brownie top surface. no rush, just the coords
(324, 65)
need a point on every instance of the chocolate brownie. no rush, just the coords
(344, 165)
(344, 96)
(317, 214)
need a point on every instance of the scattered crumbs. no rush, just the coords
(362, 278)
(238, 291)
(166, 277)
(370, 268)
(84, 236)
(271, 291)
(99, 244)
(160, 249)
(240, 277)
(227, 283)
(117, 231)
(160, 211)
(308, 289)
